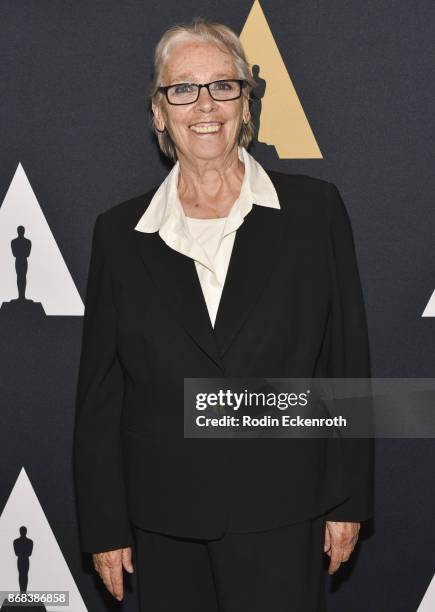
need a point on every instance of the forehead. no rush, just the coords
(198, 61)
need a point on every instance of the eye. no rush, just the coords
(223, 86)
(183, 88)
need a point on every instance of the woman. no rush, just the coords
(225, 270)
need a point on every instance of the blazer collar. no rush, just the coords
(252, 261)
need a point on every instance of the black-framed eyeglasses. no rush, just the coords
(187, 93)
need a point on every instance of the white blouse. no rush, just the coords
(208, 232)
(209, 242)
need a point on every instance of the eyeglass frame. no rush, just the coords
(164, 89)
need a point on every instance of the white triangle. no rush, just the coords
(429, 311)
(428, 601)
(48, 278)
(48, 570)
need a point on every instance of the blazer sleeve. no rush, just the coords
(349, 355)
(97, 452)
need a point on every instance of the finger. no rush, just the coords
(336, 556)
(127, 559)
(350, 547)
(104, 574)
(333, 566)
(117, 581)
(347, 551)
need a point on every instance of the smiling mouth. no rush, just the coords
(206, 128)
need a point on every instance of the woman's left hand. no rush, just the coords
(340, 540)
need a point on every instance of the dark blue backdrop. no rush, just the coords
(73, 111)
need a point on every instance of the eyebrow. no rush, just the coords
(189, 76)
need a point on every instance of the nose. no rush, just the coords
(205, 101)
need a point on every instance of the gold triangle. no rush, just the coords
(283, 122)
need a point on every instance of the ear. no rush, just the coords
(158, 116)
(246, 114)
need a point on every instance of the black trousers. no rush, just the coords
(279, 570)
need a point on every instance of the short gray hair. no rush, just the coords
(206, 31)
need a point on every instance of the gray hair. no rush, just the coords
(205, 31)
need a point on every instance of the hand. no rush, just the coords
(340, 540)
(109, 566)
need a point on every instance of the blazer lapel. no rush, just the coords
(252, 260)
(176, 276)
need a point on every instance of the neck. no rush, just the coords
(208, 187)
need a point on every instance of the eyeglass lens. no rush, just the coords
(188, 92)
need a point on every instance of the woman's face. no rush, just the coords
(199, 62)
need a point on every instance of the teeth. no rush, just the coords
(204, 129)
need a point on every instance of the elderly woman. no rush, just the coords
(224, 270)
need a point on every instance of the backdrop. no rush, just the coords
(346, 94)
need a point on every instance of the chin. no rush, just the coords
(207, 150)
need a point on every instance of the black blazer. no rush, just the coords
(291, 306)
